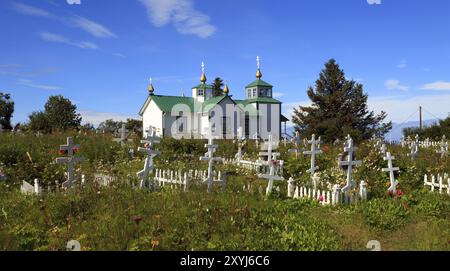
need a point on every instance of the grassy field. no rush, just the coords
(120, 217)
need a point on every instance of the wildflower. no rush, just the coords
(137, 219)
(61, 152)
(321, 198)
(155, 244)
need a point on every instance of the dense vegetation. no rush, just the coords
(120, 217)
(434, 132)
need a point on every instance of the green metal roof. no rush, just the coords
(204, 86)
(211, 102)
(266, 100)
(258, 83)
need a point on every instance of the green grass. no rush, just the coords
(122, 218)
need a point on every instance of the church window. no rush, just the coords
(247, 124)
(249, 93)
(254, 92)
(201, 92)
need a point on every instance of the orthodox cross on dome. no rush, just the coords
(349, 148)
(391, 171)
(258, 64)
(203, 77)
(151, 89)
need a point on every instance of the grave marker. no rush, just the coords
(149, 142)
(313, 153)
(297, 141)
(350, 163)
(209, 156)
(271, 163)
(70, 149)
(391, 171)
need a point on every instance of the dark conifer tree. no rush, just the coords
(339, 107)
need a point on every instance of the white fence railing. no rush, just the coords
(441, 183)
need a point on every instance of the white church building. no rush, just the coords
(258, 115)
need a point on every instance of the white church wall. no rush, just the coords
(153, 116)
(269, 121)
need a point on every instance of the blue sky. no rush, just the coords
(100, 53)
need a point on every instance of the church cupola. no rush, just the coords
(203, 91)
(151, 89)
(226, 90)
(258, 88)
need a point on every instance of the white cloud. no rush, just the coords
(278, 94)
(182, 14)
(91, 27)
(51, 37)
(120, 55)
(403, 64)
(31, 84)
(400, 108)
(32, 11)
(74, 2)
(95, 117)
(374, 2)
(439, 85)
(395, 85)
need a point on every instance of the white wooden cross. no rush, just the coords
(391, 171)
(297, 142)
(383, 149)
(149, 142)
(271, 163)
(241, 143)
(414, 148)
(70, 160)
(209, 156)
(313, 153)
(349, 148)
(444, 147)
(123, 135)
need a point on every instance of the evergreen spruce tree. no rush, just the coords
(6, 111)
(218, 86)
(339, 107)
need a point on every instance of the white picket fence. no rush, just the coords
(250, 165)
(440, 183)
(326, 197)
(178, 179)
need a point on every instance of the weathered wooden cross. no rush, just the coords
(414, 148)
(297, 142)
(209, 156)
(391, 171)
(313, 153)
(149, 143)
(444, 147)
(349, 148)
(70, 160)
(271, 163)
(241, 142)
(123, 135)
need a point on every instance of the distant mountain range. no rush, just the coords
(395, 134)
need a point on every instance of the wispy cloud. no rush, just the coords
(31, 84)
(400, 108)
(32, 11)
(439, 85)
(395, 85)
(182, 14)
(91, 27)
(95, 117)
(278, 94)
(403, 64)
(51, 37)
(120, 55)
